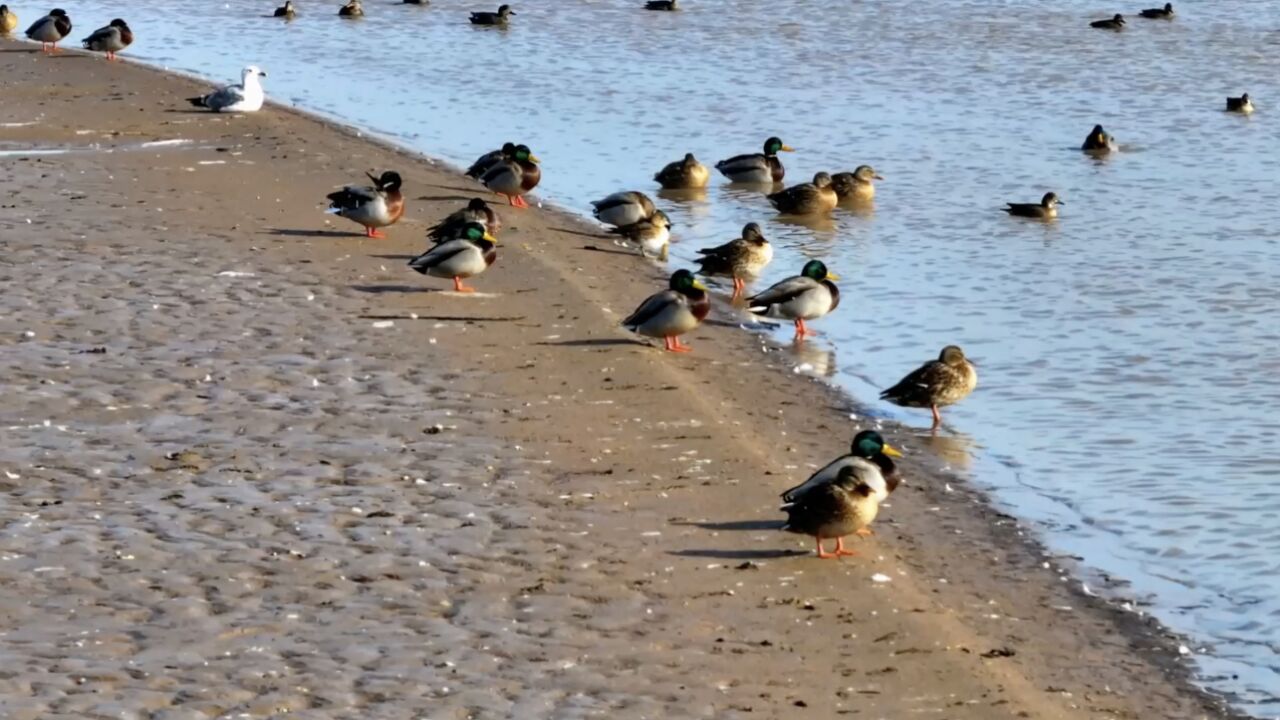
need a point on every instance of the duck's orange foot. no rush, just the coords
(823, 554)
(863, 532)
(459, 287)
(842, 550)
(673, 344)
(519, 201)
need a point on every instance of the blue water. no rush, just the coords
(1127, 351)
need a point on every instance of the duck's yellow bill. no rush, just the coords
(697, 284)
(832, 276)
(532, 157)
(891, 451)
(787, 148)
(491, 238)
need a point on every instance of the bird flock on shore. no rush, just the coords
(842, 498)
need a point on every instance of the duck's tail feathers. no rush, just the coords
(197, 101)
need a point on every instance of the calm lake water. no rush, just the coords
(1127, 352)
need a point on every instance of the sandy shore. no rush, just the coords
(253, 465)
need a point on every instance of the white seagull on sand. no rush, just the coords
(242, 98)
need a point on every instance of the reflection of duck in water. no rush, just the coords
(813, 360)
(955, 449)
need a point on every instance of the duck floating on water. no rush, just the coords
(514, 176)
(50, 30)
(673, 312)
(502, 17)
(1115, 23)
(623, 208)
(466, 256)
(379, 206)
(8, 20)
(809, 198)
(1165, 12)
(452, 226)
(286, 11)
(1098, 141)
(110, 39)
(739, 258)
(684, 174)
(836, 509)
(937, 383)
(652, 235)
(758, 168)
(857, 185)
(669, 5)
(353, 9)
(1241, 104)
(245, 97)
(1046, 209)
(806, 296)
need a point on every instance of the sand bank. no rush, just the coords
(253, 465)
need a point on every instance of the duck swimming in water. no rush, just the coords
(857, 185)
(1241, 104)
(286, 11)
(1098, 141)
(1165, 12)
(1115, 23)
(809, 198)
(683, 174)
(502, 17)
(759, 168)
(1046, 209)
(353, 9)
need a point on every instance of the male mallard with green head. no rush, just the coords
(867, 449)
(683, 174)
(373, 207)
(758, 168)
(673, 312)
(515, 176)
(623, 208)
(467, 256)
(809, 198)
(856, 185)
(50, 29)
(937, 383)
(110, 39)
(835, 509)
(738, 259)
(806, 296)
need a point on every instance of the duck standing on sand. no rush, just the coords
(1046, 209)
(867, 449)
(684, 174)
(673, 312)
(1241, 104)
(937, 383)
(452, 226)
(811, 198)
(514, 176)
(487, 161)
(502, 17)
(50, 29)
(759, 168)
(242, 98)
(669, 5)
(1098, 141)
(806, 296)
(373, 207)
(623, 208)
(857, 185)
(1165, 12)
(835, 509)
(652, 235)
(466, 256)
(8, 20)
(353, 9)
(1115, 23)
(739, 259)
(286, 11)
(110, 39)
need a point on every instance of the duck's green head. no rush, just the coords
(524, 154)
(817, 270)
(773, 146)
(869, 444)
(684, 282)
(952, 355)
(475, 232)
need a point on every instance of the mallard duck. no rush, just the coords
(1165, 12)
(1098, 141)
(937, 383)
(50, 29)
(1046, 209)
(684, 174)
(1115, 23)
(844, 506)
(502, 17)
(1241, 104)
(514, 176)
(739, 258)
(856, 185)
(806, 296)
(757, 168)
(485, 162)
(242, 98)
(8, 20)
(455, 223)
(467, 256)
(353, 9)
(416, 2)
(662, 5)
(867, 449)
(373, 207)
(808, 198)
(286, 11)
(623, 208)
(110, 39)
(652, 235)
(673, 312)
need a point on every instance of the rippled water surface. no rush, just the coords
(1126, 352)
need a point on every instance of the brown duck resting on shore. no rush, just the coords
(453, 224)
(515, 176)
(937, 383)
(684, 174)
(373, 207)
(487, 161)
(835, 509)
(110, 39)
(874, 459)
(651, 235)
(739, 259)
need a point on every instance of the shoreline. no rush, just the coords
(722, 384)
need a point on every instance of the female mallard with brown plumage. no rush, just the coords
(623, 208)
(738, 259)
(652, 236)
(937, 383)
(673, 312)
(1098, 141)
(353, 9)
(856, 185)
(758, 168)
(476, 211)
(8, 20)
(1046, 209)
(809, 198)
(684, 174)
(373, 207)
(844, 506)
(515, 176)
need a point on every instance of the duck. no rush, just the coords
(739, 258)
(652, 236)
(50, 29)
(937, 383)
(623, 208)
(514, 176)
(502, 17)
(684, 174)
(1098, 141)
(1046, 209)
(673, 312)
(353, 9)
(1165, 12)
(760, 168)
(452, 226)
(1115, 23)
(662, 5)
(245, 97)
(809, 198)
(465, 256)
(286, 11)
(485, 162)
(856, 185)
(1241, 104)
(8, 20)
(868, 450)
(844, 506)
(416, 2)
(373, 207)
(111, 39)
(806, 296)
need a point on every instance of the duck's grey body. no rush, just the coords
(623, 208)
(796, 298)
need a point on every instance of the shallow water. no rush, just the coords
(1124, 351)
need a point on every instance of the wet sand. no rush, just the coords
(254, 465)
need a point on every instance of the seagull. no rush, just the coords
(245, 97)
